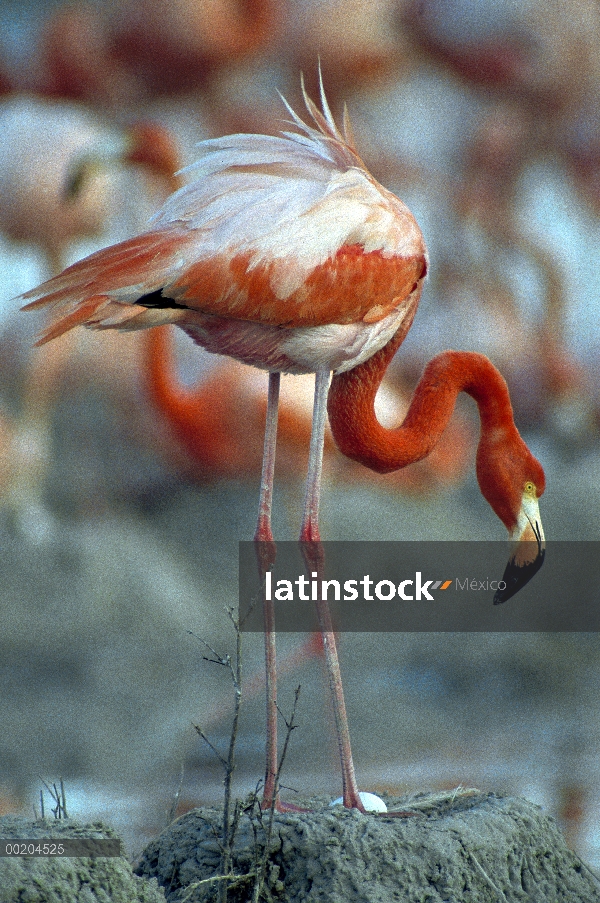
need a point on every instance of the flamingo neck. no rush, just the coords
(180, 406)
(161, 379)
(360, 436)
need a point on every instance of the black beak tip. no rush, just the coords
(515, 577)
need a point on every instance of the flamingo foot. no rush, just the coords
(290, 807)
(267, 802)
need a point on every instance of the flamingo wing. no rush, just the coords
(289, 231)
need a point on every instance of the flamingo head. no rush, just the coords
(512, 480)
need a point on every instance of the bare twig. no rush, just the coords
(58, 796)
(173, 810)
(230, 818)
(230, 825)
(63, 798)
(213, 748)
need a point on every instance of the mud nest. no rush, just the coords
(463, 845)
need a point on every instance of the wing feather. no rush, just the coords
(260, 235)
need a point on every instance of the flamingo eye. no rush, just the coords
(529, 489)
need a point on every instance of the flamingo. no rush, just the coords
(285, 254)
(540, 52)
(145, 48)
(55, 160)
(179, 45)
(55, 187)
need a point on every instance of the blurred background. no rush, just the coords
(119, 530)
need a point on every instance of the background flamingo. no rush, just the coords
(58, 165)
(120, 56)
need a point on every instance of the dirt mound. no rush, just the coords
(67, 879)
(459, 846)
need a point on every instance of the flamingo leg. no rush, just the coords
(263, 526)
(265, 550)
(309, 531)
(314, 559)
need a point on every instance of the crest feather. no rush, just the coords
(340, 143)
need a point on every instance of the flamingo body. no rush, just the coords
(285, 253)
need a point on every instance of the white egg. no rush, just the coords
(371, 802)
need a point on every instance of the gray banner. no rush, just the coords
(52, 847)
(418, 586)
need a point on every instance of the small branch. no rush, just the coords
(63, 798)
(231, 819)
(210, 745)
(58, 796)
(173, 810)
(230, 826)
(224, 660)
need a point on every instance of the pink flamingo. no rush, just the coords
(285, 254)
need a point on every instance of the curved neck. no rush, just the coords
(159, 370)
(179, 405)
(195, 415)
(360, 436)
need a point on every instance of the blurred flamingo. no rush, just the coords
(487, 200)
(542, 53)
(139, 49)
(56, 166)
(75, 60)
(176, 46)
(56, 162)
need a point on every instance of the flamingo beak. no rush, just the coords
(527, 549)
(99, 157)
